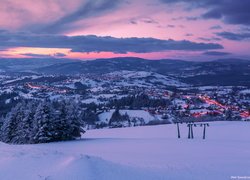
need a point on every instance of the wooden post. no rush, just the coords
(192, 133)
(178, 129)
(204, 132)
(189, 131)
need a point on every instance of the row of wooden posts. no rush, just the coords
(190, 126)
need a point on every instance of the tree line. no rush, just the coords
(138, 101)
(42, 121)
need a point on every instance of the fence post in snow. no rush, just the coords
(192, 133)
(178, 130)
(204, 130)
(190, 126)
(189, 130)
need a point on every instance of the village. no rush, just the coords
(136, 94)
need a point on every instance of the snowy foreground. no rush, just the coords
(151, 152)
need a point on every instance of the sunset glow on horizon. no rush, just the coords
(162, 29)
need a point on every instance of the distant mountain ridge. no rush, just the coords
(123, 63)
(26, 64)
(113, 64)
(218, 72)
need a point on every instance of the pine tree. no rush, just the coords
(61, 126)
(118, 120)
(89, 117)
(18, 134)
(74, 118)
(25, 126)
(43, 123)
(10, 124)
(116, 116)
(50, 121)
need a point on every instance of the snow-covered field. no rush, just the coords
(143, 153)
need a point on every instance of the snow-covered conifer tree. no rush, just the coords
(43, 119)
(74, 119)
(10, 124)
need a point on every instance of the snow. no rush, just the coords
(96, 89)
(148, 153)
(90, 100)
(9, 90)
(143, 75)
(199, 110)
(131, 74)
(101, 98)
(179, 102)
(246, 91)
(26, 96)
(7, 101)
(22, 78)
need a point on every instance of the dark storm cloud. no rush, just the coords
(89, 9)
(230, 11)
(234, 36)
(216, 53)
(92, 43)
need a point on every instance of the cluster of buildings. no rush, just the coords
(198, 103)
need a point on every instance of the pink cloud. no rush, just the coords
(151, 19)
(16, 15)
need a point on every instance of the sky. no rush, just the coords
(152, 29)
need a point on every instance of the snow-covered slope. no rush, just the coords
(148, 153)
(146, 78)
